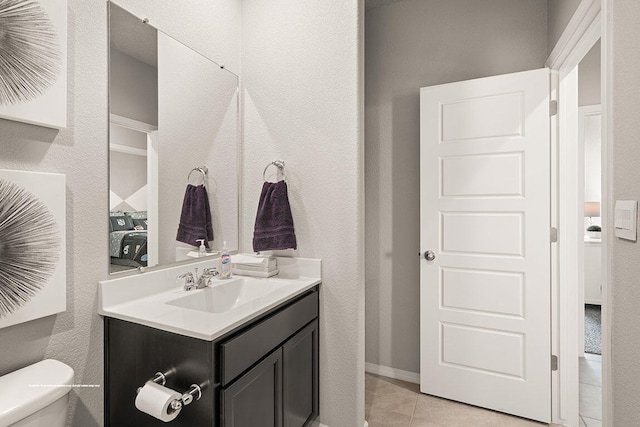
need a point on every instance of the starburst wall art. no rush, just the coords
(32, 246)
(33, 61)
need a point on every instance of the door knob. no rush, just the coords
(429, 255)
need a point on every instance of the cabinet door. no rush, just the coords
(300, 377)
(255, 400)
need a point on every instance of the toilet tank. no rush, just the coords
(36, 395)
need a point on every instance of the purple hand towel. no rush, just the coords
(195, 219)
(274, 222)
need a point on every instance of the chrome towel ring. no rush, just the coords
(277, 163)
(203, 170)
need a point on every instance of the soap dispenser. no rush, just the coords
(225, 262)
(203, 249)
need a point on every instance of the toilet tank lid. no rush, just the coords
(28, 390)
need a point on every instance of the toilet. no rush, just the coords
(36, 396)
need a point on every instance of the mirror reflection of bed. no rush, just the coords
(130, 195)
(128, 240)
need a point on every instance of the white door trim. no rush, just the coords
(589, 23)
(606, 102)
(578, 37)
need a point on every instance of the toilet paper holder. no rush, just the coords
(195, 391)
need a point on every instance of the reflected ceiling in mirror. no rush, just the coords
(172, 111)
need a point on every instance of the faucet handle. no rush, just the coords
(211, 271)
(189, 281)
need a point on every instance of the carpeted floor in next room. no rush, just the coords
(592, 322)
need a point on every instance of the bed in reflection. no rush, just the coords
(128, 240)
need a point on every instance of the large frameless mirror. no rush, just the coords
(173, 132)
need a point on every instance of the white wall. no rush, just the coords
(560, 12)
(624, 255)
(592, 159)
(411, 44)
(302, 83)
(589, 77)
(127, 171)
(133, 88)
(198, 118)
(80, 151)
(211, 28)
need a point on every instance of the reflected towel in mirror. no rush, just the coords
(274, 223)
(195, 219)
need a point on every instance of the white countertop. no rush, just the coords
(143, 298)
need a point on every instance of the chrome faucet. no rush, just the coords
(205, 279)
(189, 281)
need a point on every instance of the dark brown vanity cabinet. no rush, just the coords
(262, 374)
(256, 398)
(282, 390)
(300, 377)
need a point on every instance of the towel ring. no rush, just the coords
(203, 170)
(277, 163)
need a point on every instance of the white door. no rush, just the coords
(485, 298)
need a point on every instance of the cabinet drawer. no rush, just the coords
(242, 351)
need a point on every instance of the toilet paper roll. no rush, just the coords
(155, 400)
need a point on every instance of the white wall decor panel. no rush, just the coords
(33, 72)
(32, 246)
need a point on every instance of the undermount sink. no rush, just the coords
(225, 295)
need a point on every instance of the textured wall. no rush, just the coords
(80, 151)
(302, 89)
(211, 28)
(624, 255)
(560, 13)
(409, 45)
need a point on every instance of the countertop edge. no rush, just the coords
(115, 313)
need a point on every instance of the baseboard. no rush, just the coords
(398, 374)
(317, 424)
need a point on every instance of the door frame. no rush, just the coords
(590, 22)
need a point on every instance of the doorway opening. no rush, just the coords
(590, 295)
(580, 203)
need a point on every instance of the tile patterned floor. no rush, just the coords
(591, 391)
(395, 403)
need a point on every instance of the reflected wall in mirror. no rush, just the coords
(172, 110)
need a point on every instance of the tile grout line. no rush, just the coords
(415, 404)
(583, 421)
